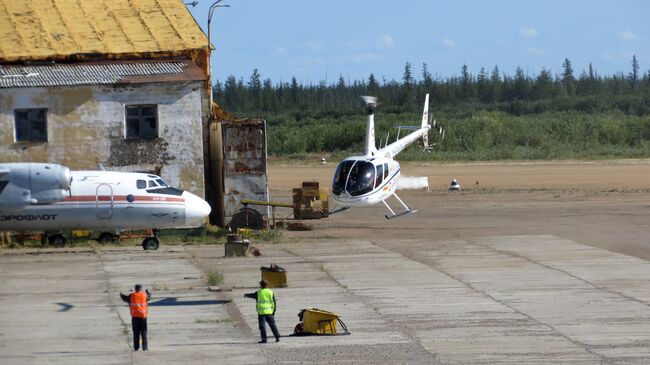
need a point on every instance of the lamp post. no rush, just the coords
(215, 192)
(212, 7)
(210, 11)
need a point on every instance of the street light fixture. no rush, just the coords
(212, 7)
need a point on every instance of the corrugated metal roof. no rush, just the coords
(84, 74)
(32, 30)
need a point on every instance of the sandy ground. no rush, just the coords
(588, 176)
(603, 204)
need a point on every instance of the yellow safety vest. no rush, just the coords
(265, 304)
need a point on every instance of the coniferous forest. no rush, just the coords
(486, 116)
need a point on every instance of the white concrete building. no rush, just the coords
(125, 85)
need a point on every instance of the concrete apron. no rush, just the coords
(65, 309)
(517, 299)
(511, 299)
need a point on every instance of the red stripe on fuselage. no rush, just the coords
(122, 198)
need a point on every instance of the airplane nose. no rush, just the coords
(196, 209)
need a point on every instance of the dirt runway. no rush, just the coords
(603, 204)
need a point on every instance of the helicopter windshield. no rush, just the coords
(354, 176)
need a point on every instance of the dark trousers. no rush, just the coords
(139, 326)
(271, 321)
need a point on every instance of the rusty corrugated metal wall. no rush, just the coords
(242, 167)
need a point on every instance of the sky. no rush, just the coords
(323, 40)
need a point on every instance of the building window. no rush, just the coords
(31, 125)
(141, 121)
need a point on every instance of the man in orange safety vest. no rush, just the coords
(139, 312)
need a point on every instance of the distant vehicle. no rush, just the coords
(51, 198)
(372, 178)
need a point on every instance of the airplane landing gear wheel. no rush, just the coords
(57, 240)
(107, 238)
(150, 243)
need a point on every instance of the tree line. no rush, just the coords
(324, 117)
(492, 89)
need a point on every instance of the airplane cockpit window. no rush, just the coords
(141, 184)
(161, 182)
(152, 184)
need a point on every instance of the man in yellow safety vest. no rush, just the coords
(265, 310)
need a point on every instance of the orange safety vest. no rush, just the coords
(138, 305)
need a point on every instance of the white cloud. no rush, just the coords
(627, 35)
(387, 41)
(356, 58)
(313, 47)
(448, 42)
(528, 32)
(356, 45)
(364, 57)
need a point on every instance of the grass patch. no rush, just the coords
(270, 236)
(214, 278)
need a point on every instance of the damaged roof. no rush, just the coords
(106, 73)
(38, 30)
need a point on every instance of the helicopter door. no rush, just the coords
(380, 176)
(104, 201)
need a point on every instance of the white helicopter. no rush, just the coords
(372, 178)
(51, 198)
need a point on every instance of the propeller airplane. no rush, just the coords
(51, 198)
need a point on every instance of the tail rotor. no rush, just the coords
(440, 131)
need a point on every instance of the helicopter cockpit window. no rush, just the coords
(161, 182)
(386, 171)
(152, 184)
(361, 178)
(380, 175)
(141, 184)
(341, 176)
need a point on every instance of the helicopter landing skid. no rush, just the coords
(393, 215)
(338, 210)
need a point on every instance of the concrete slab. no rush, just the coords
(65, 309)
(494, 300)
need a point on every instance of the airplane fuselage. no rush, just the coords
(109, 200)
